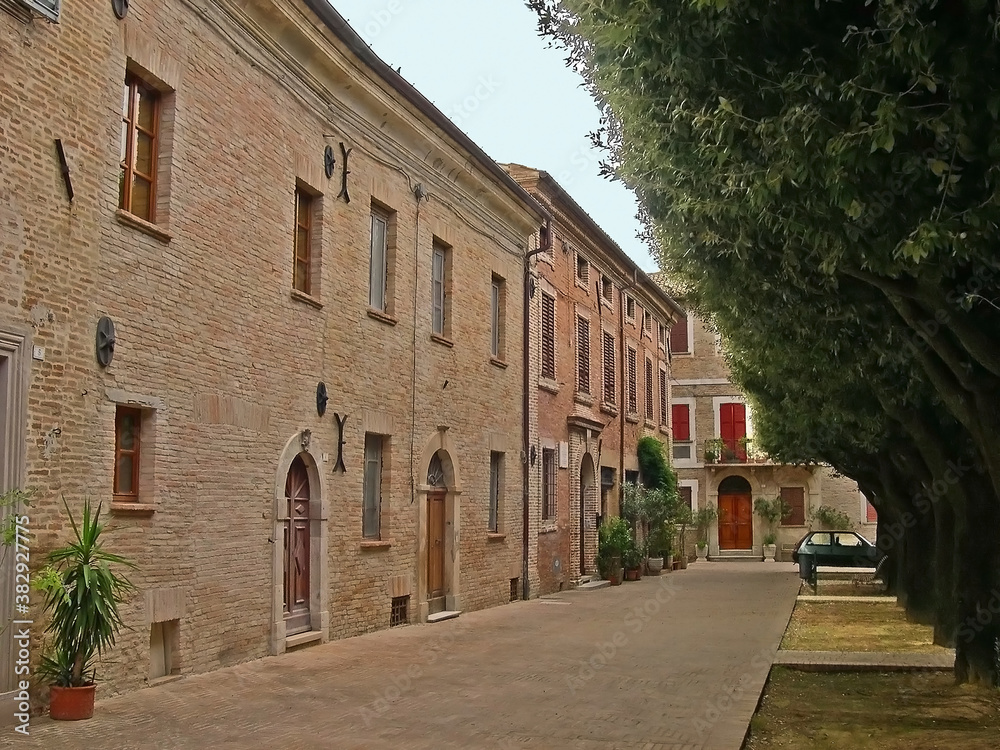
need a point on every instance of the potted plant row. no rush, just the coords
(82, 595)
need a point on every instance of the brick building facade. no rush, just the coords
(600, 376)
(259, 206)
(717, 463)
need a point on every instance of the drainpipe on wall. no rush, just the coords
(420, 194)
(624, 402)
(543, 246)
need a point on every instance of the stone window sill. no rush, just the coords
(583, 399)
(132, 508)
(549, 528)
(548, 385)
(442, 340)
(583, 285)
(375, 544)
(606, 302)
(381, 317)
(610, 409)
(307, 298)
(632, 418)
(664, 429)
(146, 227)
(495, 537)
(496, 362)
(650, 425)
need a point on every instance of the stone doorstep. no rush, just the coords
(861, 661)
(591, 585)
(442, 616)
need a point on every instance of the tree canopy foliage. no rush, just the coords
(820, 180)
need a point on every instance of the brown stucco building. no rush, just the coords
(310, 423)
(600, 376)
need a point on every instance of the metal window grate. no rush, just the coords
(514, 596)
(399, 614)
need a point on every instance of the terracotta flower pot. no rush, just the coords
(71, 703)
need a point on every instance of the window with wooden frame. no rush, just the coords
(629, 309)
(661, 331)
(663, 397)
(582, 271)
(608, 360)
(371, 523)
(498, 307)
(440, 290)
(139, 148)
(647, 323)
(686, 495)
(496, 489)
(302, 270)
(582, 354)
(607, 289)
(650, 414)
(794, 500)
(548, 483)
(548, 336)
(679, 343)
(680, 420)
(378, 276)
(128, 427)
(631, 366)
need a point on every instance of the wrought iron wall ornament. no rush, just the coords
(105, 341)
(120, 7)
(346, 152)
(321, 398)
(305, 437)
(435, 472)
(329, 161)
(341, 421)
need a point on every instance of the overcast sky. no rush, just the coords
(483, 64)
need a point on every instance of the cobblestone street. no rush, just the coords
(671, 662)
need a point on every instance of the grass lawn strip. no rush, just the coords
(856, 626)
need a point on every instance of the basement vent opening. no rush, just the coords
(514, 595)
(400, 608)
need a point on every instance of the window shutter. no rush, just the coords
(663, 397)
(48, 8)
(372, 486)
(681, 417)
(548, 337)
(632, 406)
(376, 281)
(679, 337)
(871, 515)
(437, 291)
(794, 498)
(685, 493)
(649, 390)
(495, 318)
(609, 368)
(583, 354)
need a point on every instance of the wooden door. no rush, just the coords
(296, 601)
(435, 545)
(735, 522)
(733, 427)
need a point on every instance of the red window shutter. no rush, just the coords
(679, 337)
(649, 390)
(871, 515)
(794, 498)
(609, 368)
(681, 418)
(583, 354)
(663, 398)
(732, 427)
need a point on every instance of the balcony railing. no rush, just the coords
(742, 451)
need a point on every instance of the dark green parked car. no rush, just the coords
(842, 549)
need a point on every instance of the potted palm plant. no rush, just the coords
(703, 518)
(770, 511)
(82, 594)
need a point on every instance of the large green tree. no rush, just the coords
(821, 181)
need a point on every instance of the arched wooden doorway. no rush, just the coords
(437, 496)
(296, 556)
(735, 514)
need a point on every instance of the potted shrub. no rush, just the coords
(702, 549)
(612, 538)
(632, 559)
(82, 594)
(703, 519)
(770, 511)
(713, 450)
(659, 548)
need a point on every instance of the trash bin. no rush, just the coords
(807, 567)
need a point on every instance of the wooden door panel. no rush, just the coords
(435, 545)
(296, 550)
(727, 530)
(735, 522)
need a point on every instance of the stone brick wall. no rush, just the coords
(213, 345)
(596, 429)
